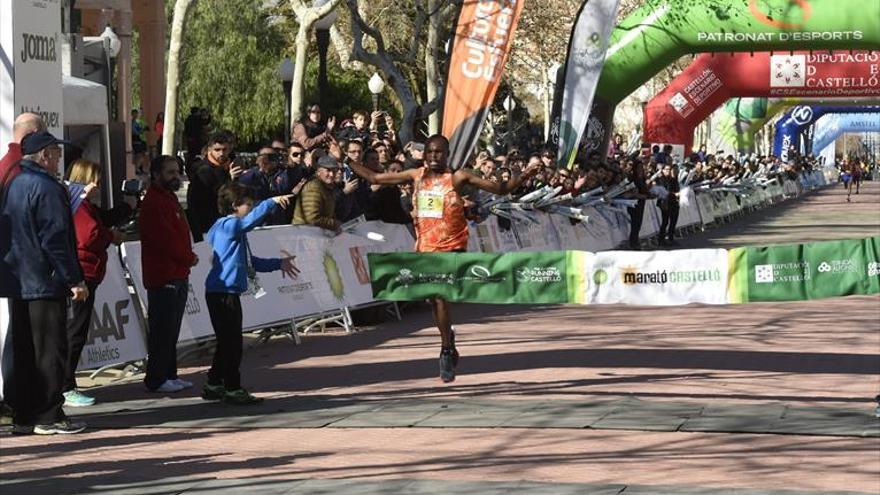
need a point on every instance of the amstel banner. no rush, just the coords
(664, 278)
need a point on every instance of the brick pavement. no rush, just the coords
(757, 399)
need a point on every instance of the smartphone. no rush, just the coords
(132, 187)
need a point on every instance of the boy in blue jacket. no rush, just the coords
(233, 270)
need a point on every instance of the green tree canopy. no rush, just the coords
(229, 66)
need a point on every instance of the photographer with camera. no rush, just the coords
(94, 234)
(206, 178)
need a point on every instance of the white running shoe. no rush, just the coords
(183, 383)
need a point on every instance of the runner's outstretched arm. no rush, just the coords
(383, 178)
(500, 188)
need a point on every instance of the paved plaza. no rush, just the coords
(746, 399)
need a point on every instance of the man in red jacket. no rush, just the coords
(166, 258)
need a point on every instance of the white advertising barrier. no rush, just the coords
(116, 335)
(196, 321)
(533, 236)
(658, 277)
(689, 212)
(704, 206)
(333, 274)
(650, 220)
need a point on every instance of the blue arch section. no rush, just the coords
(831, 126)
(790, 128)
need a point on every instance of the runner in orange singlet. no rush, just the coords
(438, 208)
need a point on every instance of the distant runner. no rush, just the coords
(438, 211)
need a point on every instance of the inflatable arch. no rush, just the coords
(661, 31)
(832, 126)
(792, 125)
(673, 114)
(734, 131)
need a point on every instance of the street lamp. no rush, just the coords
(322, 35)
(509, 105)
(552, 74)
(285, 73)
(376, 85)
(112, 45)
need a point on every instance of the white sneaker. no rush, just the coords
(168, 386)
(183, 383)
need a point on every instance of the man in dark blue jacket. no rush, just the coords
(39, 271)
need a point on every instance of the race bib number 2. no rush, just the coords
(430, 204)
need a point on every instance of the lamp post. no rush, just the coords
(322, 35)
(376, 85)
(552, 73)
(509, 105)
(112, 45)
(285, 73)
(643, 95)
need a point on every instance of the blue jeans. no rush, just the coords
(165, 309)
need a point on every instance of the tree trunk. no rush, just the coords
(431, 72)
(306, 17)
(181, 7)
(297, 89)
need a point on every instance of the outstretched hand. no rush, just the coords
(283, 201)
(288, 267)
(298, 187)
(531, 170)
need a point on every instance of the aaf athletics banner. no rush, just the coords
(482, 43)
(664, 278)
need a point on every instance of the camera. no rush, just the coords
(133, 187)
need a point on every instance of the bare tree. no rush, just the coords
(181, 7)
(398, 63)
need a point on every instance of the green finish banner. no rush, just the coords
(795, 272)
(804, 271)
(550, 277)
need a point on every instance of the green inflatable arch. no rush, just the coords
(661, 31)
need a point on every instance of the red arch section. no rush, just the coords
(673, 114)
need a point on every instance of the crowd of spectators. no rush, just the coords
(315, 168)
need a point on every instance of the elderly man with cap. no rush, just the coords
(26, 123)
(316, 203)
(40, 271)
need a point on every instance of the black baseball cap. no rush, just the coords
(34, 142)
